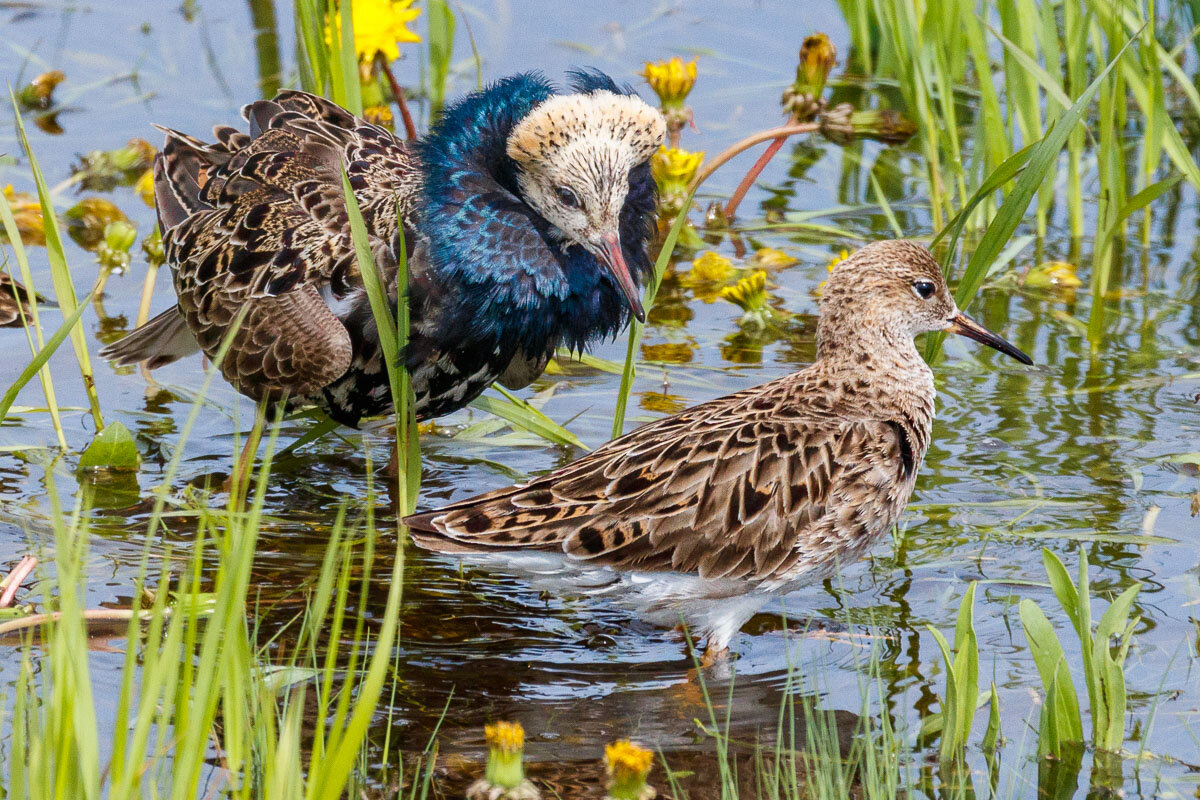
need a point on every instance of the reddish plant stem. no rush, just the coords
(410, 129)
(745, 144)
(14, 580)
(751, 176)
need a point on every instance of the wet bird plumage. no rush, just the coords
(704, 514)
(256, 231)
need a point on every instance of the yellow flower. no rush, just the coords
(711, 267)
(27, 212)
(671, 80)
(379, 27)
(673, 167)
(381, 116)
(1053, 275)
(628, 766)
(507, 737)
(839, 258)
(750, 293)
(771, 258)
(144, 188)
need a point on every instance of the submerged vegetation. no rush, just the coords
(266, 643)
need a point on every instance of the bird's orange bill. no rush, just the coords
(964, 325)
(610, 252)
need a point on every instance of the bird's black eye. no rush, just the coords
(567, 197)
(924, 289)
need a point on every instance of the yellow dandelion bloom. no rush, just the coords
(674, 167)
(750, 293)
(381, 116)
(671, 80)
(628, 766)
(710, 267)
(507, 737)
(144, 188)
(380, 27)
(839, 258)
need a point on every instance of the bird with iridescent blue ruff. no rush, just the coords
(525, 215)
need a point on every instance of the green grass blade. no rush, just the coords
(34, 322)
(635, 327)
(393, 338)
(64, 289)
(1008, 217)
(31, 369)
(441, 51)
(524, 415)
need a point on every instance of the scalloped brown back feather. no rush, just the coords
(255, 224)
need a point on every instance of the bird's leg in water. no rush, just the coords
(712, 655)
(238, 482)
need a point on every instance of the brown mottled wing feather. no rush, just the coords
(752, 485)
(255, 227)
(15, 298)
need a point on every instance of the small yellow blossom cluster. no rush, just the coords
(673, 169)
(627, 766)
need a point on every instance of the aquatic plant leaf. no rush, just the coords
(113, 449)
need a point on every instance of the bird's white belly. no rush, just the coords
(713, 609)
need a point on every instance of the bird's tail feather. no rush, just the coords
(160, 341)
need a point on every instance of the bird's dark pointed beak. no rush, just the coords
(964, 325)
(610, 253)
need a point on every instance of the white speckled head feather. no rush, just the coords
(586, 121)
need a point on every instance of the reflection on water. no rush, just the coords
(1074, 453)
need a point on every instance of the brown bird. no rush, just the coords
(704, 515)
(15, 299)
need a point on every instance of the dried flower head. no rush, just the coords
(802, 100)
(104, 170)
(38, 95)
(627, 766)
(842, 123)
(27, 212)
(88, 219)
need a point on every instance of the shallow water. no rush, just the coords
(1071, 453)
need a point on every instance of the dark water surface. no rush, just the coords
(1075, 452)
